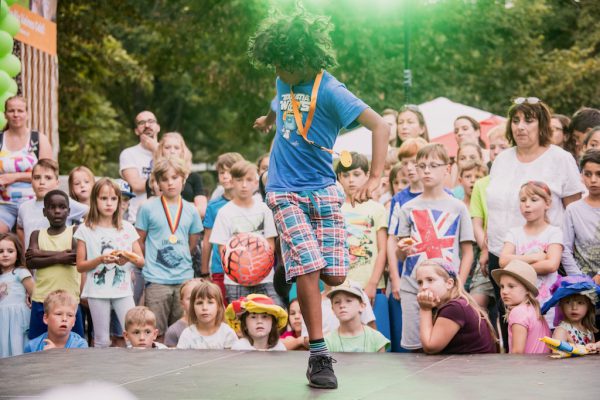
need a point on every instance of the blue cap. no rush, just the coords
(125, 188)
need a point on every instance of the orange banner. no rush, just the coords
(35, 30)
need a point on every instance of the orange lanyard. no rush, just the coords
(303, 129)
(345, 157)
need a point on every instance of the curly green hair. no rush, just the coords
(293, 43)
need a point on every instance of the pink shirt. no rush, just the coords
(525, 315)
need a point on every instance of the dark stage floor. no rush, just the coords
(189, 374)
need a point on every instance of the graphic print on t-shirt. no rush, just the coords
(289, 122)
(587, 258)
(434, 232)
(168, 257)
(109, 274)
(359, 229)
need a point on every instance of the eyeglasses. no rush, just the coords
(528, 100)
(146, 122)
(431, 166)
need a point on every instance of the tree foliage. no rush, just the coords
(186, 61)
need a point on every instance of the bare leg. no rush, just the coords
(309, 298)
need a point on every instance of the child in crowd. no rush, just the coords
(16, 284)
(407, 156)
(60, 308)
(301, 189)
(351, 335)
(518, 290)
(185, 292)
(398, 181)
(468, 174)
(245, 214)
(105, 244)
(207, 329)
(126, 195)
(481, 288)
(263, 163)
(259, 320)
(52, 253)
(433, 225)
(576, 296)
(582, 223)
(366, 224)
(592, 140)
(468, 152)
(383, 195)
(467, 129)
(140, 329)
(459, 326)
(292, 338)
(211, 257)
(44, 178)
(81, 181)
(411, 124)
(583, 121)
(537, 242)
(169, 228)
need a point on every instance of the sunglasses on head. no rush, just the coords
(410, 107)
(528, 100)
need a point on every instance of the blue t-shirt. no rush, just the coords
(167, 263)
(216, 267)
(296, 165)
(74, 342)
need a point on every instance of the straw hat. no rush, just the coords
(254, 303)
(521, 271)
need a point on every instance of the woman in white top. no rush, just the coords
(20, 149)
(533, 158)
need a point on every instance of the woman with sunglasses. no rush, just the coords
(533, 158)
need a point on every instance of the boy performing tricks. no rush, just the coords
(312, 106)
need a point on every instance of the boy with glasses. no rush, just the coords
(432, 225)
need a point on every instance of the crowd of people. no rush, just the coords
(484, 251)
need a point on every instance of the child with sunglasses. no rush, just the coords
(301, 189)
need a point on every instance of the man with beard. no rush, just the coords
(135, 163)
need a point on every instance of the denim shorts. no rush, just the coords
(8, 214)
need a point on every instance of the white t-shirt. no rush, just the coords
(244, 344)
(224, 338)
(140, 158)
(107, 281)
(31, 216)
(232, 219)
(555, 167)
(525, 244)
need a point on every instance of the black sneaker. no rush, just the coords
(320, 372)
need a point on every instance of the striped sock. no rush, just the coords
(318, 348)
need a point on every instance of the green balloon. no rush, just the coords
(4, 81)
(10, 24)
(3, 97)
(13, 88)
(6, 43)
(3, 9)
(11, 65)
(2, 121)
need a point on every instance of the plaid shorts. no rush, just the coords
(312, 231)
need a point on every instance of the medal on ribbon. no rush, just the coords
(344, 155)
(173, 222)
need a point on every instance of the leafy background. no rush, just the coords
(186, 61)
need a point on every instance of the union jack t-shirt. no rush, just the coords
(437, 227)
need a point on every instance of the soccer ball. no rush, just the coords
(247, 258)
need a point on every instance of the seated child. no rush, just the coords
(174, 331)
(292, 338)
(576, 297)
(259, 320)
(352, 335)
(140, 329)
(459, 325)
(518, 291)
(60, 309)
(207, 329)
